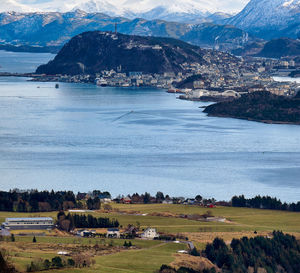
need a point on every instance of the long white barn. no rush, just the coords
(28, 223)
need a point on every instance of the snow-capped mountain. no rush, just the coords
(269, 18)
(55, 28)
(173, 10)
(102, 6)
(176, 10)
(171, 6)
(141, 6)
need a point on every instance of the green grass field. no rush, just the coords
(146, 260)
(242, 219)
(150, 255)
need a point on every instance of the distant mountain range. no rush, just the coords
(193, 21)
(55, 29)
(172, 10)
(269, 18)
(94, 51)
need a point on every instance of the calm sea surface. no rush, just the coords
(82, 137)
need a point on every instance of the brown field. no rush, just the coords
(196, 263)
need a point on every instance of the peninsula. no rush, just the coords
(259, 106)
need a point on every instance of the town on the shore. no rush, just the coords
(225, 80)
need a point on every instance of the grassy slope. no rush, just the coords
(150, 256)
(154, 253)
(243, 219)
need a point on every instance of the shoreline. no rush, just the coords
(254, 120)
(44, 78)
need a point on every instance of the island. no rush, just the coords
(259, 106)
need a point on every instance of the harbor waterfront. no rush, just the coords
(126, 140)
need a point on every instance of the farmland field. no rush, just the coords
(147, 256)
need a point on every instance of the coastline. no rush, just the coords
(253, 119)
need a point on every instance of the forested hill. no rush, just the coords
(92, 52)
(259, 106)
(278, 48)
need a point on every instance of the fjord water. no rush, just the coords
(22, 62)
(83, 137)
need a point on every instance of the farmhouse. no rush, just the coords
(126, 200)
(28, 223)
(86, 233)
(113, 233)
(149, 233)
(131, 231)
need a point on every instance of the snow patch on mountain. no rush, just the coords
(268, 14)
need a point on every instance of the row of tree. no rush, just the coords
(79, 260)
(36, 201)
(280, 252)
(42, 201)
(71, 221)
(263, 202)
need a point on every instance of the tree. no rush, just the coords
(12, 237)
(82, 260)
(146, 198)
(97, 203)
(34, 239)
(47, 264)
(71, 262)
(159, 196)
(65, 225)
(198, 198)
(61, 215)
(57, 262)
(195, 252)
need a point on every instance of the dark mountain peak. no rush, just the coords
(94, 51)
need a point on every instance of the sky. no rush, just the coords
(226, 5)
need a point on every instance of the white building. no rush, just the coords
(113, 233)
(149, 233)
(28, 223)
